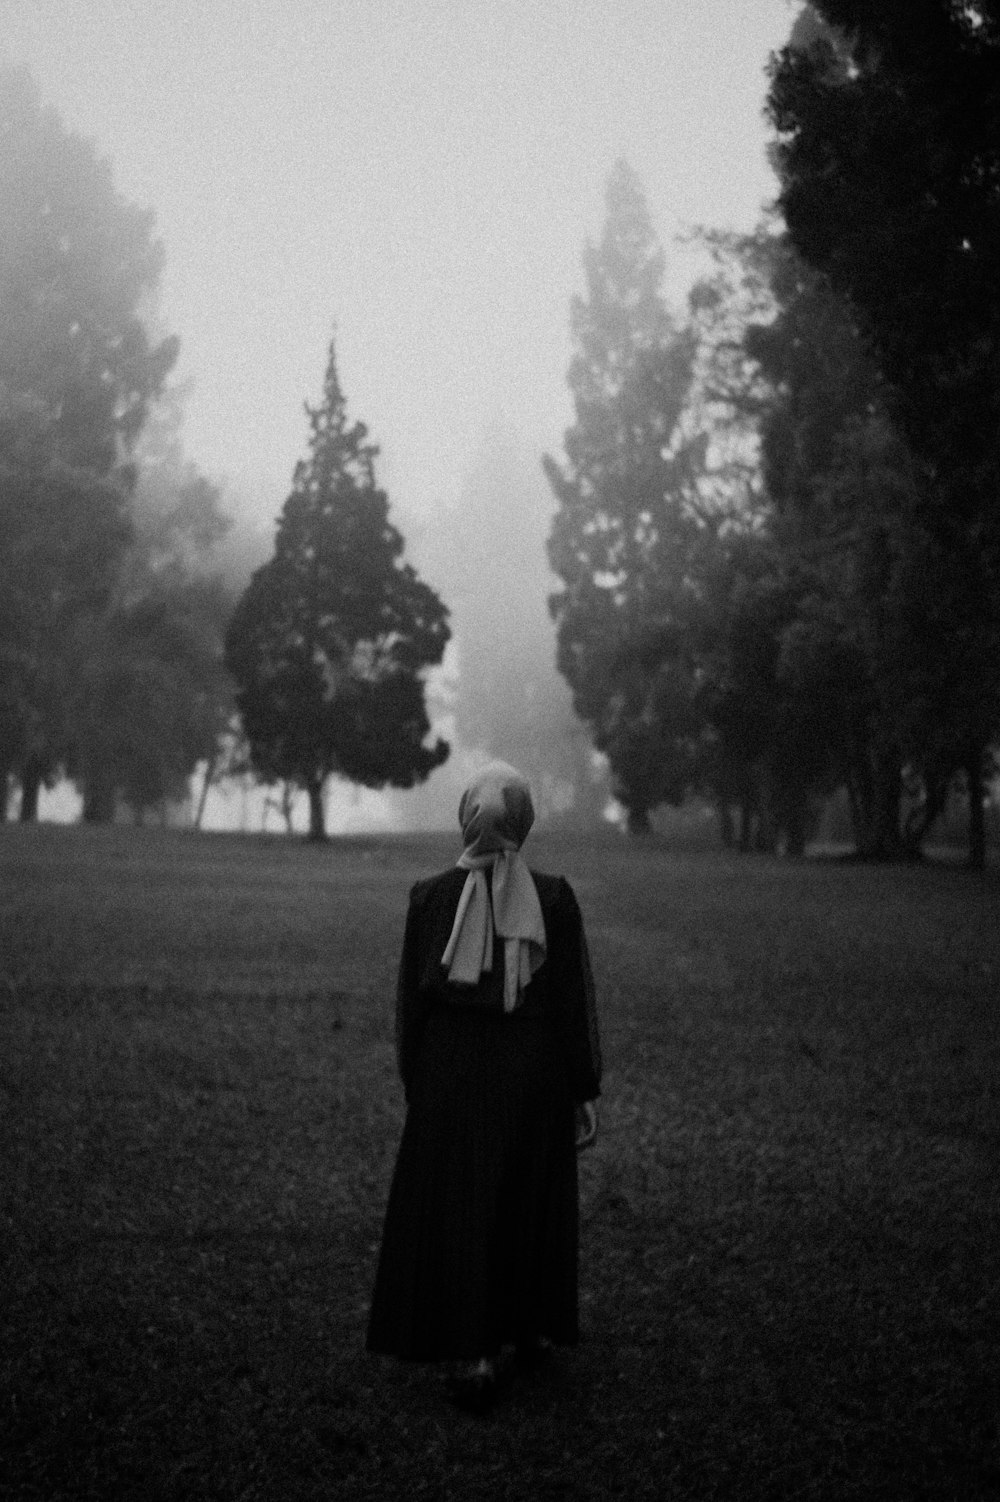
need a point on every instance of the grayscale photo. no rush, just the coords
(500, 750)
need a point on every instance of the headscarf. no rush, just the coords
(495, 814)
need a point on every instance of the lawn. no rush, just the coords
(790, 1223)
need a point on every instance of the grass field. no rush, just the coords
(790, 1224)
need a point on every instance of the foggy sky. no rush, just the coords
(421, 173)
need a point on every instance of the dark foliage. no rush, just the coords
(624, 531)
(63, 535)
(889, 153)
(329, 641)
(842, 484)
(151, 699)
(76, 263)
(77, 373)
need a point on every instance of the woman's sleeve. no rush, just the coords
(572, 982)
(411, 1009)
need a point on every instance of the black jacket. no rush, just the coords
(561, 991)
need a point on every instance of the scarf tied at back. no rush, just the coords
(495, 814)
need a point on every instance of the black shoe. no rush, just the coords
(473, 1394)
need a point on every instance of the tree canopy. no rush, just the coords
(766, 577)
(78, 370)
(77, 265)
(624, 529)
(63, 533)
(329, 641)
(888, 149)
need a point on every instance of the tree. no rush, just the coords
(77, 263)
(77, 372)
(889, 155)
(818, 672)
(177, 514)
(626, 526)
(764, 747)
(153, 698)
(328, 643)
(840, 484)
(63, 535)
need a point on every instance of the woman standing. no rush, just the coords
(497, 1046)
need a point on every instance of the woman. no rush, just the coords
(497, 1047)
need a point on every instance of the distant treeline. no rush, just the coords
(776, 543)
(778, 530)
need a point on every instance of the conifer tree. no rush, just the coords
(332, 635)
(79, 268)
(887, 115)
(623, 532)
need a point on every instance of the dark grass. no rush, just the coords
(790, 1224)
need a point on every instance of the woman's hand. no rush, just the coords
(586, 1125)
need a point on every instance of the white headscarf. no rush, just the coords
(496, 814)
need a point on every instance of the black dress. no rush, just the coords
(480, 1240)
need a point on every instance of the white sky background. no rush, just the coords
(421, 173)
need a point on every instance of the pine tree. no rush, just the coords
(888, 153)
(79, 269)
(623, 532)
(330, 639)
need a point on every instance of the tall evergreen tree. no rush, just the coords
(63, 534)
(329, 641)
(624, 531)
(839, 481)
(77, 372)
(77, 263)
(889, 155)
(817, 667)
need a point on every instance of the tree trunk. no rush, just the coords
(98, 802)
(766, 834)
(875, 808)
(727, 826)
(854, 808)
(317, 815)
(746, 823)
(889, 843)
(210, 769)
(860, 799)
(977, 818)
(31, 786)
(638, 821)
(795, 817)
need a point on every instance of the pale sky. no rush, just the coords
(421, 173)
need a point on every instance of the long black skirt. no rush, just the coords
(481, 1230)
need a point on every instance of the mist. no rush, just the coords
(499, 694)
(422, 181)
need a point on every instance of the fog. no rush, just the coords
(499, 694)
(422, 177)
